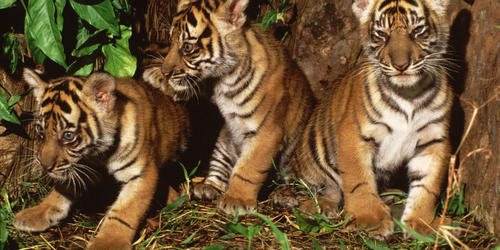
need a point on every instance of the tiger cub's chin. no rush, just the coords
(95, 124)
(381, 116)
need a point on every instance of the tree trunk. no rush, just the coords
(480, 155)
(16, 147)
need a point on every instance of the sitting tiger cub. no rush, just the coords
(391, 112)
(118, 124)
(264, 98)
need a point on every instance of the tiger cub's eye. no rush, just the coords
(68, 136)
(187, 47)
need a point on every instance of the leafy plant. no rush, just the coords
(7, 104)
(456, 205)
(100, 34)
(249, 232)
(275, 14)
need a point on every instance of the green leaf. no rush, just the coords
(100, 15)
(36, 53)
(375, 244)
(92, 43)
(44, 32)
(269, 18)
(59, 10)
(6, 3)
(189, 239)
(305, 224)
(83, 66)
(119, 61)
(214, 247)
(282, 239)
(6, 112)
(13, 100)
(10, 49)
(177, 203)
(418, 236)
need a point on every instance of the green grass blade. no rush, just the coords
(282, 239)
(418, 236)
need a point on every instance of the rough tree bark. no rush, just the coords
(480, 155)
(16, 147)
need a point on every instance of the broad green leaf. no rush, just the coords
(6, 3)
(6, 112)
(44, 32)
(83, 66)
(13, 100)
(91, 43)
(59, 10)
(119, 61)
(100, 15)
(36, 53)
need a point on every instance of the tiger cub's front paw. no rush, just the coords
(38, 218)
(108, 243)
(203, 191)
(372, 215)
(231, 203)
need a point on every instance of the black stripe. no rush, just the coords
(121, 221)
(422, 147)
(213, 170)
(192, 19)
(412, 2)
(128, 164)
(252, 112)
(244, 85)
(390, 102)
(244, 179)
(435, 121)
(425, 188)
(385, 3)
(358, 186)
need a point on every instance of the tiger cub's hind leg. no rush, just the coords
(222, 162)
(54, 208)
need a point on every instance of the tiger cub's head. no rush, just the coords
(201, 32)
(74, 121)
(404, 39)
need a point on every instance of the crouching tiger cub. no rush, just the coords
(119, 124)
(263, 97)
(390, 112)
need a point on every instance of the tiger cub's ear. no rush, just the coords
(440, 6)
(182, 4)
(362, 9)
(231, 15)
(35, 82)
(100, 88)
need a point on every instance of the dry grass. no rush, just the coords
(198, 225)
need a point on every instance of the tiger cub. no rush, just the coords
(264, 98)
(119, 124)
(391, 112)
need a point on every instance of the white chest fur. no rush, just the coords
(398, 134)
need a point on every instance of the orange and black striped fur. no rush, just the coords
(391, 112)
(263, 97)
(120, 125)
